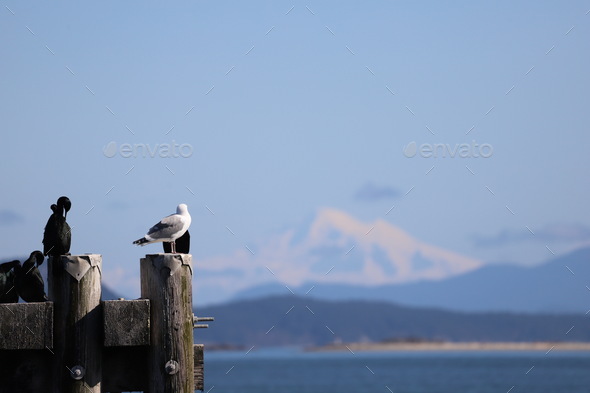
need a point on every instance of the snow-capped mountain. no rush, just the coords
(333, 247)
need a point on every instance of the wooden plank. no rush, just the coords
(199, 370)
(125, 369)
(74, 287)
(126, 322)
(26, 325)
(166, 280)
(25, 370)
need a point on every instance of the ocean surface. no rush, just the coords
(291, 370)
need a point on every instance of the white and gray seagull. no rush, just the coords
(168, 229)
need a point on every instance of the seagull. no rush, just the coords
(8, 272)
(183, 244)
(57, 237)
(168, 229)
(29, 283)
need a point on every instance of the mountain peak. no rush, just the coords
(330, 219)
(390, 254)
(336, 247)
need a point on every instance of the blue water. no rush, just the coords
(290, 371)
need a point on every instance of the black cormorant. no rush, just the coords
(57, 237)
(65, 202)
(183, 244)
(8, 272)
(29, 283)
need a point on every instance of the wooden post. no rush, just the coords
(74, 288)
(166, 280)
(199, 371)
(26, 339)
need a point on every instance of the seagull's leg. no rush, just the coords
(173, 247)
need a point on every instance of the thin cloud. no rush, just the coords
(10, 217)
(565, 233)
(371, 192)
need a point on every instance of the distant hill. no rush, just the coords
(291, 320)
(107, 292)
(549, 287)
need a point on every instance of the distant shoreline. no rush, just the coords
(456, 346)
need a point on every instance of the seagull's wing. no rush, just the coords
(166, 228)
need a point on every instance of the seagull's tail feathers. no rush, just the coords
(141, 242)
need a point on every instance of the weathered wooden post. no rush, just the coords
(77, 344)
(26, 339)
(74, 288)
(166, 280)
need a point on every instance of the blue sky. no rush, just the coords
(289, 107)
